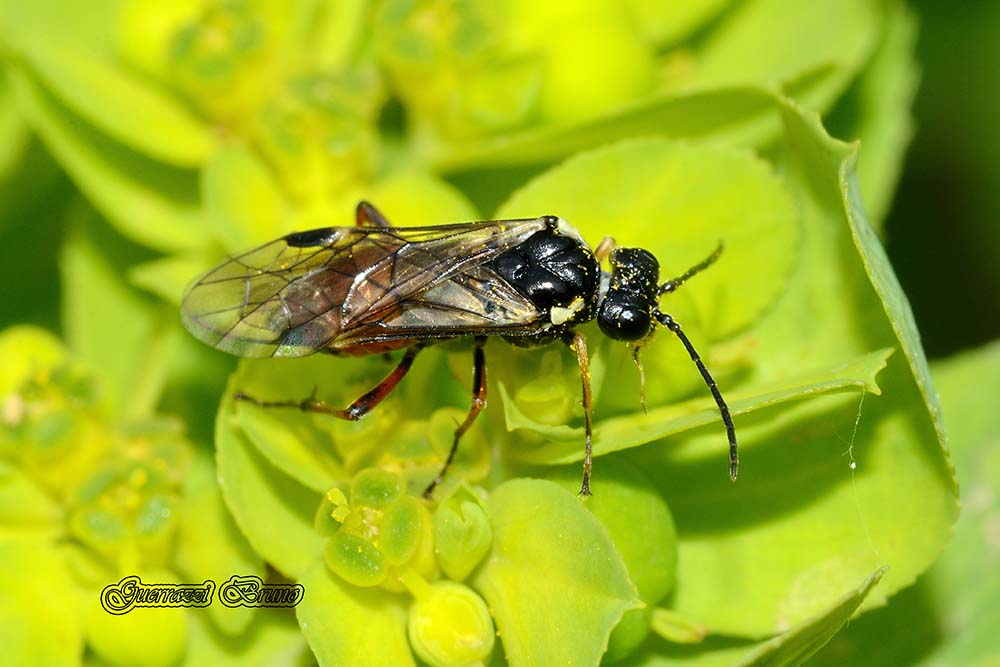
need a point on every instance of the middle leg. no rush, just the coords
(478, 403)
(578, 343)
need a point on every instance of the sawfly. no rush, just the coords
(372, 288)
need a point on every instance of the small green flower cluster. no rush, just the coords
(118, 483)
(112, 489)
(381, 537)
(475, 67)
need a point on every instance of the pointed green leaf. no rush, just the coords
(616, 433)
(14, 133)
(130, 110)
(796, 646)
(800, 519)
(146, 200)
(952, 611)
(788, 649)
(877, 110)
(106, 322)
(739, 115)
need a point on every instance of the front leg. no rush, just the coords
(578, 343)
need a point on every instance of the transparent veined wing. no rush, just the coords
(471, 302)
(339, 286)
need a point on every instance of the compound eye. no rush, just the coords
(633, 323)
(624, 322)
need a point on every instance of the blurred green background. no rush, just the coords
(942, 232)
(942, 235)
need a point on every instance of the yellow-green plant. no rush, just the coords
(197, 128)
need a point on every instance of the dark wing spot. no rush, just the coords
(311, 238)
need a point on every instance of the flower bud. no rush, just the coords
(450, 626)
(319, 131)
(462, 533)
(220, 60)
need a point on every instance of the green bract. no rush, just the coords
(639, 523)
(199, 128)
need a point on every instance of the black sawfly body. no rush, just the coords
(372, 288)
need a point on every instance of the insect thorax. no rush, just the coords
(557, 271)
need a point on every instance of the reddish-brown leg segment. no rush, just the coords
(355, 410)
(478, 403)
(369, 216)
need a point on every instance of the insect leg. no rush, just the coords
(369, 216)
(604, 248)
(478, 403)
(578, 343)
(642, 377)
(355, 410)
(734, 459)
(674, 283)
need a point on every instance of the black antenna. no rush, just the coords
(670, 323)
(674, 283)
